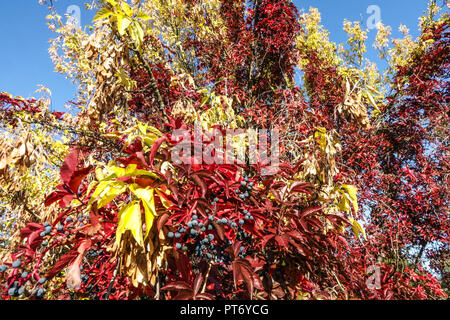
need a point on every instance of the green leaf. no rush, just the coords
(130, 219)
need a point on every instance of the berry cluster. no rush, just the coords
(245, 189)
(20, 281)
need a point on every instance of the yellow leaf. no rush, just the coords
(344, 204)
(148, 200)
(357, 228)
(106, 192)
(114, 190)
(131, 168)
(150, 211)
(372, 101)
(130, 219)
(99, 174)
(112, 2)
(352, 193)
(127, 9)
(321, 135)
(102, 13)
(143, 16)
(122, 24)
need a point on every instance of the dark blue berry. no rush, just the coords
(242, 196)
(194, 217)
(43, 234)
(224, 220)
(24, 274)
(184, 248)
(42, 280)
(170, 234)
(211, 237)
(12, 292)
(21, 291)
(241, 222)
(211, 218)
(46, 224)
(40, 293)
(243, 183)
(45, 243)
(17, 264)
(194, 232)
(3, 268)
(60, 228)
(189, 224)
(177, 235)
(178, 246)
(210, 227)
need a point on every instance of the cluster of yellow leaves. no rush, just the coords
(141, 254)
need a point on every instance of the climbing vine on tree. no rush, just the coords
(95, 206)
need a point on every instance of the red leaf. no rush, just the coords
(162, 221)
(64, 261)
(205, 295)
(69, 166)
(200, 183)
(266, 239)
(310, 210)
(198, 283)
(282, 240)
(154, 149)
(77, 178)
(184, 295)
(178, 285)
(54, 196)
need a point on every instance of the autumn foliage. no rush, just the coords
(102, 211)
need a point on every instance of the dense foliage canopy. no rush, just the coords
(93, 205)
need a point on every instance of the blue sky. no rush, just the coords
(25, 62)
